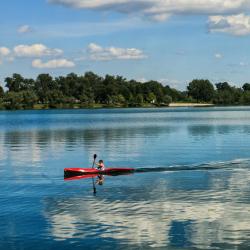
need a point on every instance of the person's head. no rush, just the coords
(100, 161)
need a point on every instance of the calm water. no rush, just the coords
(191, 191)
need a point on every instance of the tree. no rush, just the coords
(43, 84)
(13, 100)
(1, 92)
(117, 99)
(167, 99)
(245, 98)
(227, 94)
(139, 99)
(15, 83)
(151, 98)
(1, 97)
(246, 87)
(175, 94)
(29, 98)
(90, 88)
(84, 99)
(155, 88)
(54, 97)
(201, 90)
(29, 84)
(222, 86)
(124, 90)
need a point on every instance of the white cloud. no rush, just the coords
(35, 50)
(10, 59)
(24, 29)
(160, 17)
(174, 83)
(52, 64)
(4, 51)
(142, 80)
(166, 81)
(98, 53)
(160, 9)
(218, 56)
(243, 64)
(238, 25)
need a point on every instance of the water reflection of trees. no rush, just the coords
(203, 130)
(89, 140)
(69, 136)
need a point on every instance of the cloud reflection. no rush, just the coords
(219, 215)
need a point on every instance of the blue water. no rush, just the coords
(191, 189)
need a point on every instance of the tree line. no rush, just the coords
(92, 90)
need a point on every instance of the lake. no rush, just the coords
(191, 189)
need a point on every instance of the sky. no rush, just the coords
(171, 41)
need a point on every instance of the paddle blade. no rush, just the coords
(95, 156)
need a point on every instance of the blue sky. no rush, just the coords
(165, 40)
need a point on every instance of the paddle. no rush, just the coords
(94, 188)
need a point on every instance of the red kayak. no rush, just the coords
(86, 171)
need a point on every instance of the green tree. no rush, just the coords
(246, 87)
(153, 87)
(151, 98)
(1, 97)
(44, 83)
(118, 99)
(28, 84)
(224, 97)
(139, 99)
(201, 90)
(29, 98)
(175, 94)
(1, 92)
(223, 86)
(124, 90)
(1, 104)
(245, 98)
(15, 83)
(84, 99)
(13, 100)
(227, 94)
(167, 100)
(54, 97)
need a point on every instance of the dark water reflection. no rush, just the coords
(191, 190)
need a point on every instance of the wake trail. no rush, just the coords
(235, 164)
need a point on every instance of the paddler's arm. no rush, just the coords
(98, 165)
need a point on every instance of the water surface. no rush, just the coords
(190, 191)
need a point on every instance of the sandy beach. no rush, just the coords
(187, 104)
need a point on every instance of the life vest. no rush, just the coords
(101, 167)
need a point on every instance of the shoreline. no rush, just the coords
(99, 106)
(103, 106)
(190, 104)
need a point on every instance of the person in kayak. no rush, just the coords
(100, 165)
